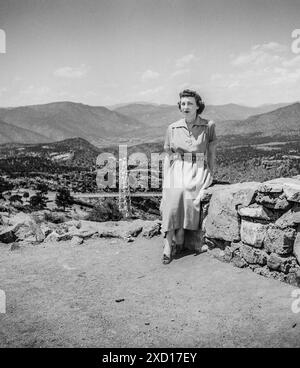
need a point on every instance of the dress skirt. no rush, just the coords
(184, 179)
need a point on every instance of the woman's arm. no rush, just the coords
(211, 156)
(212, 147)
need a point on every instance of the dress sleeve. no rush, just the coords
(212, 137)
(167, 144)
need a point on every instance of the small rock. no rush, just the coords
(253, 255)
(154, 230)
(216, 243)
(52, 237)
(129, 239)
(85, 234)
(238, 261)
(14, 246)
(64, 237)
(217, 253)
(283, 264)
(135, 232)
(228, 254)
(8, 236)
(204, 248)
(282, 204)
(273, 201)
(108, 234)
(76, 240)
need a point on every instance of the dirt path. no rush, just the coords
(65, 296)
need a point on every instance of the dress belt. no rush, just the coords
(193, 157)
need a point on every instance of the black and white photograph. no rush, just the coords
(149, 177)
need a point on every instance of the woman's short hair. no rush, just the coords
(198, 99)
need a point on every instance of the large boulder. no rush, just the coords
(269, 187)
(21, 218)
(253, 233)
(222, 221)
(23, 226)
(290, 218)
(32, 230)
(256, 211)
(290, 186)
(296, 249)
(280, 241)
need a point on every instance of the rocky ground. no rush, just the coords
(70, 282)
(115, 293)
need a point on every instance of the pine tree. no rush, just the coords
(63, 198)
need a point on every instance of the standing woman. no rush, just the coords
(190, 145)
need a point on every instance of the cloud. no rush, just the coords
(185, 60)
(260, 54)
(284, 76)
(268, 64)
(149, 75)
(264, 73)
(179, 72)
(35, 90)
(271, 46)
(234, 84)
(295, 61)
(216, 77)
(151, 92)
(71, 72)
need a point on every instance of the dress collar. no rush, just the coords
(198, 122)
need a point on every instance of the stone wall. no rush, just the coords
(255, 225)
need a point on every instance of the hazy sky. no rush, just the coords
(103, 52)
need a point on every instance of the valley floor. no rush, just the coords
(59, 295)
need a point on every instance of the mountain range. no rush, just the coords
(136, 123)
(158, 115)
(62, 120)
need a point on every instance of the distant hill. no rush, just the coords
(61, 120)
(72, 152)
(116, 106)
(12, 133)
(284, 121)
(237, 112)
(162, 115)
(151, 115)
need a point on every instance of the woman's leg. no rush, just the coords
(168, 240)
(179, 238)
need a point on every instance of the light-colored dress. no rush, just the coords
(186, 173)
